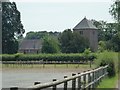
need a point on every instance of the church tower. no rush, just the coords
(89, 31)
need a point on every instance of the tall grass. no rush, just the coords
(108, 83)
(110, 58)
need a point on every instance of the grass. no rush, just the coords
(109, 83)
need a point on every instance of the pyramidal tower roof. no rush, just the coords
(85, 24)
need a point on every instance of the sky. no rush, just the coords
(58, 15)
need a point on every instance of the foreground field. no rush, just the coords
(25, 75)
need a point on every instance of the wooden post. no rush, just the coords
(93, 78)
(106, 71)
(100, 74)
(90, 63)
(96, 78)
(84, 81)
(35, 83)
(89, 80)
(54, 86)
(79, 82)
(73, 82)
(14, 88)
(95, 73)
(65, 84)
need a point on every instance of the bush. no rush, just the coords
(47, 57)
(107, 58)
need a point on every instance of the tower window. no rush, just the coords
(81, 32)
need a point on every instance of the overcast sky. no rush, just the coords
(51, 15)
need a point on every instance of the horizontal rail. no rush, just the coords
(45, 85)
(94, 77)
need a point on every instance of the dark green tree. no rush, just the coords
(72, 42)
(40, 34)
(36, 35)
(116, 42)
(78, 43)
(12, 27)
(65, 41)
(115, 12)
(106, 30)
(50, 45)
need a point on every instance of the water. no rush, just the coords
(24, 77)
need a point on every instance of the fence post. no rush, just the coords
(84, 81)
(89, 80)
(93, 80)
(35, 83)
(100, 74)
(79, 82)
(97, 76)
(105, 71)
(73, 82)
(14, 88)
(65, 84)
(54, 86)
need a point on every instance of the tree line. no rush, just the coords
(55, 42)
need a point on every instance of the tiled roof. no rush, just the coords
(85, 24)
(31, 44)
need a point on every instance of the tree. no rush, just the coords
(115, 12)
(36, 35)
(78, 43)
(116, 42)
(50, 45)
(106, 30)
(65, 40)
(72, 42)
(40, 34)
(12, 27)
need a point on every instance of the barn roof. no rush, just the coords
(30, 44)
(85, 24)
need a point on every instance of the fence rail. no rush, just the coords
(81, 81)
(44, 62)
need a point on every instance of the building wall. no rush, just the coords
(92, 36)
(30, 51)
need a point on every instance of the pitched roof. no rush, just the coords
(30, 44)
(85, 24)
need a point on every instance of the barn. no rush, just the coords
(30, 46)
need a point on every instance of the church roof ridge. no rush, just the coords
(85, 24)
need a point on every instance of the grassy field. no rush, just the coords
(109, 83)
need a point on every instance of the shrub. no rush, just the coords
(107, 58)
(47, 57)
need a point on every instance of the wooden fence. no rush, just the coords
(88, 80)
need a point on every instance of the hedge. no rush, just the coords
(47, 57)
